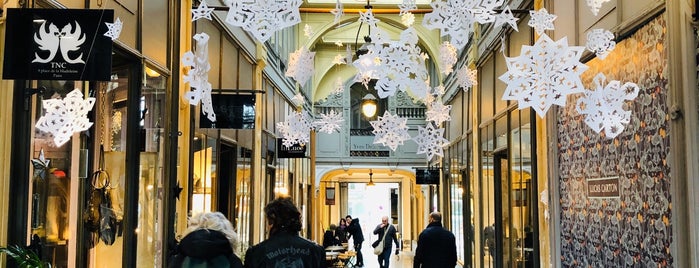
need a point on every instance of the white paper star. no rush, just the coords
(198, 76)
(114, 29)
(329, 123)
(66, 116)
(595, 5)
(41, 164)
(467, 78)
(296, 129)
(338, 43)
(438, 113)
(308, 30)
(368, 18)
(603, 107)
(263, 17)
(301, 65)
(544, 74)
(407, 6)
(430, 141)
(601, 42)
(339, 87)
(541, 20)
(447, 55)
(339, 11)
(456, 18)
(339, 59)
(202, 11)
(390, 130)
(298, 99)
(506, 16)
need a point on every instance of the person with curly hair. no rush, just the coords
(284, 247)
(207, 242)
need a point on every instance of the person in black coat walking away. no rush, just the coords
(355, 231)
(208, 242)
(284, 247)
(436, 246)
(390, 231)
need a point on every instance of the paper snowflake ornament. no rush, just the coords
(63, 117)
(308, 30)
(329, 123)
(202, 11)
(338, 43)
(603, 107)
(456, 18)
(298, 99)
(114, 29)
(339, 11)
(198, 76)
(264, 17)
(339, 86)
(390, 130)
(339, 59)
(368, 18)
(448, 57)
(407, 6)
(466, 77)
(541, 20)
(438, 113)
(301, 65)
(595, 5)
(407, 19)
(296, 129)
(430, 141)
(544, 74)
(601, 42)
(506, 16)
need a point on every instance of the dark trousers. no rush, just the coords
(360, 257)
(385, 257)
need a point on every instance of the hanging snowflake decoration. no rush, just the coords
(541, 20)
(456, 18)
(298, 99)
(202, 11)
(601, 42)
(114, 29)
(301, 65)
(390, 130)
(466, 77)
(198, 76)
(339, 59)
(264, 17)
(66, 116)
(308, 30)
(603, 108)
(339, 87)
(296, 129)
(339, 11)
(438, 113)
(448, 57)
(368, 18)
(595, 5)
(506, 16)
(329, 123)
(407, 6)
(430, 141)
(407, 19)
(544, 74)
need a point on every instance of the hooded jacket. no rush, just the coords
(355, 230)
(285, 249)
(205, 248)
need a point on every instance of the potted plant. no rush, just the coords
(24, 257)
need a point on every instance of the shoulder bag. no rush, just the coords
(378, 249)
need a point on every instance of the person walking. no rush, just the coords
(354, 231)
(207, 242)
(386, 232)
(436, 246)
(284, 247)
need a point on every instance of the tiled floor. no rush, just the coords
(404, 259)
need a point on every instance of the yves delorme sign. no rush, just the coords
(57, 44)
(603, 188)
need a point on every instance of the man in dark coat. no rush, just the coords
(284, 247)
(385, 228)
(355, 231)
(206, 248)
(436, 246)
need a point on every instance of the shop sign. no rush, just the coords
(426, 176)
(233, 111)
(603, 187)
(294, 151)
(57, 44)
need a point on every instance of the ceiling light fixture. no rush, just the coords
(369, 105)
(371, 181)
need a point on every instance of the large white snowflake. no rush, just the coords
(456, 18)
(390, 130)
(541, 20)
(262, 18)
(544, 74)
(595, 5)
(438, 113)
(447, 55)
(66, 116)
(430, 141)
(329, 123)
(198, 76)
(466, 77)
(601, 42)
(301, 65)
(296, 129)
(603, 107)
(407, 6)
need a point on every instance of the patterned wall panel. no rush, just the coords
(633, 230)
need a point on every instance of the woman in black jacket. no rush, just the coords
(208, 242)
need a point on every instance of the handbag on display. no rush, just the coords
(378, 249)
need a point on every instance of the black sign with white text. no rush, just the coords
(58, 44)
(426, 176)
(294, 151)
